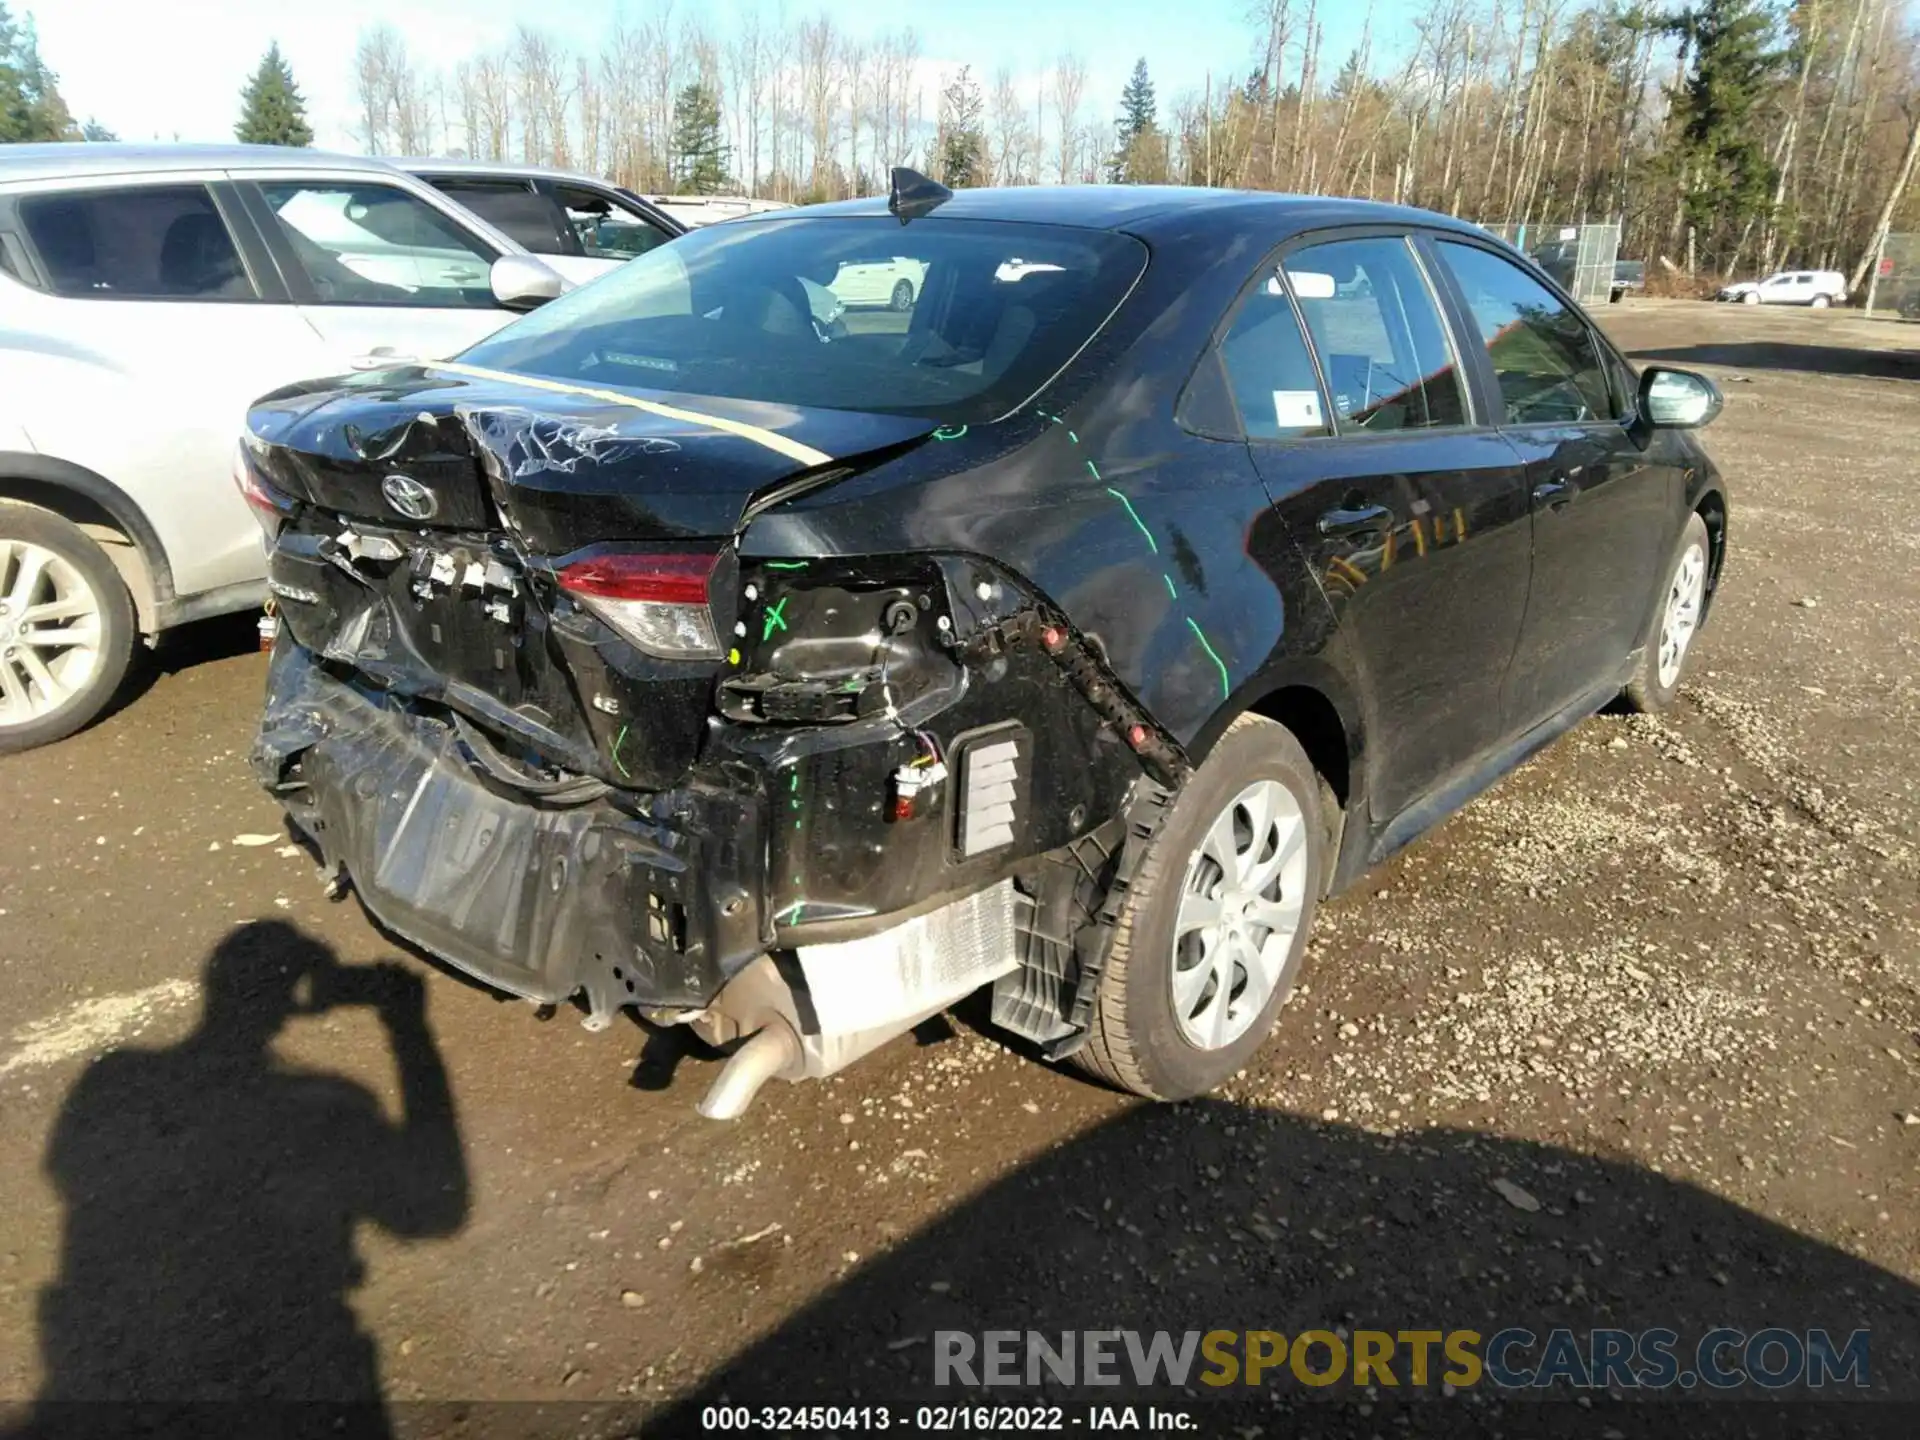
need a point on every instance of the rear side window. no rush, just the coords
(151, 242)
(1270, 369)
(516, 209)
(377, 245)
(1376, 325)
(605, 228)
(1545, 359)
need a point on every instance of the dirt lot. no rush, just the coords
(1665, 981)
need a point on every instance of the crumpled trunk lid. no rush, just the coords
(434, 512)
(556, 466)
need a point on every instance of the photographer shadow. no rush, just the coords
(212, 1192)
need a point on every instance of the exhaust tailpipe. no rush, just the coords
(771, 1049)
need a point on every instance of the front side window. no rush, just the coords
(1546, 361)
(1269, 368)
(604, 228)
(515, 209)
(150, 242)
(364, 244)
(744, 310)
(1376, 325)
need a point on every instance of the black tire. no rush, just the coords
(902, 295)
(1821, 302)
(31, 525)
(1646, 692)
(1136, 1042)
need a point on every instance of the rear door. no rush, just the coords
(146, 319)
(1602, 510)
(1410, 512)
(376, 269)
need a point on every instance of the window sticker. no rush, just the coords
(1297, 409)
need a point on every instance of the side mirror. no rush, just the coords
(523, 282)
(1677, 399)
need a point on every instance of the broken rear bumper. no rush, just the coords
(654, 903)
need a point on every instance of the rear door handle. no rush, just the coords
(1555, 494)
(1342, 523)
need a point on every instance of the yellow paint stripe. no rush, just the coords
(769, 439)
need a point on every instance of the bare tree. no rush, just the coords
(1008, 136)
(1069, 93)
(747, 71)
(375, 58)
(819, 83)
(622, 65)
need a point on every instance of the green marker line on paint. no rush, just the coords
(1152, 544)
(1226, 680)
(618, 741)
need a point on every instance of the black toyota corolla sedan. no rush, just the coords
(792, 668)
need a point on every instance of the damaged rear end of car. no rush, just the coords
(534, 698)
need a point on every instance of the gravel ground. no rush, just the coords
(1634, 1041)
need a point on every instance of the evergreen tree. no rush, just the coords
(93, 130)
(271, 110)
(30, 103)
(960, 148)
(700, 155)
(1137, 138)
(1719, 109)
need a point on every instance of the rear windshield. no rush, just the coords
(956, 320)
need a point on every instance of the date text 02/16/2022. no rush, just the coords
(934, 1419)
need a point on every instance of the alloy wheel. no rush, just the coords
(1682, 615)
(50, 632)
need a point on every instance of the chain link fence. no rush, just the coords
(1580, 257)
(1895, 286)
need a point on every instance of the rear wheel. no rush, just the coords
(902, 295)
(1669, 641)
(66, 627)
(1215, 922)
(1820, 302)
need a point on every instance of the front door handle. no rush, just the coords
(1342, 523)
(1555, 494)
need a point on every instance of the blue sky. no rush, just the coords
(157, 70)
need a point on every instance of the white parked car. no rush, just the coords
(580, 225)
(693, 211)
(1818, 288)
(894, 282)
(148, 294)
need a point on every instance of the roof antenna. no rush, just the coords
(915, 195)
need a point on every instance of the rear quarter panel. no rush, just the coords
(1158, 545)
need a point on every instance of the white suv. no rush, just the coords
(148, 294)
(1818, 288)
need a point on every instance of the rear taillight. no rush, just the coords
(269, 506)
(657, 602)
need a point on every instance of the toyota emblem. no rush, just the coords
(409, 497)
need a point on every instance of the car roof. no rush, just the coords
(442, 165)
(1143, 209)
(60, 161)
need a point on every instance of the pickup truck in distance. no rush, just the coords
(1187, 553)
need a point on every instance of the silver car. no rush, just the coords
(148, 294)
